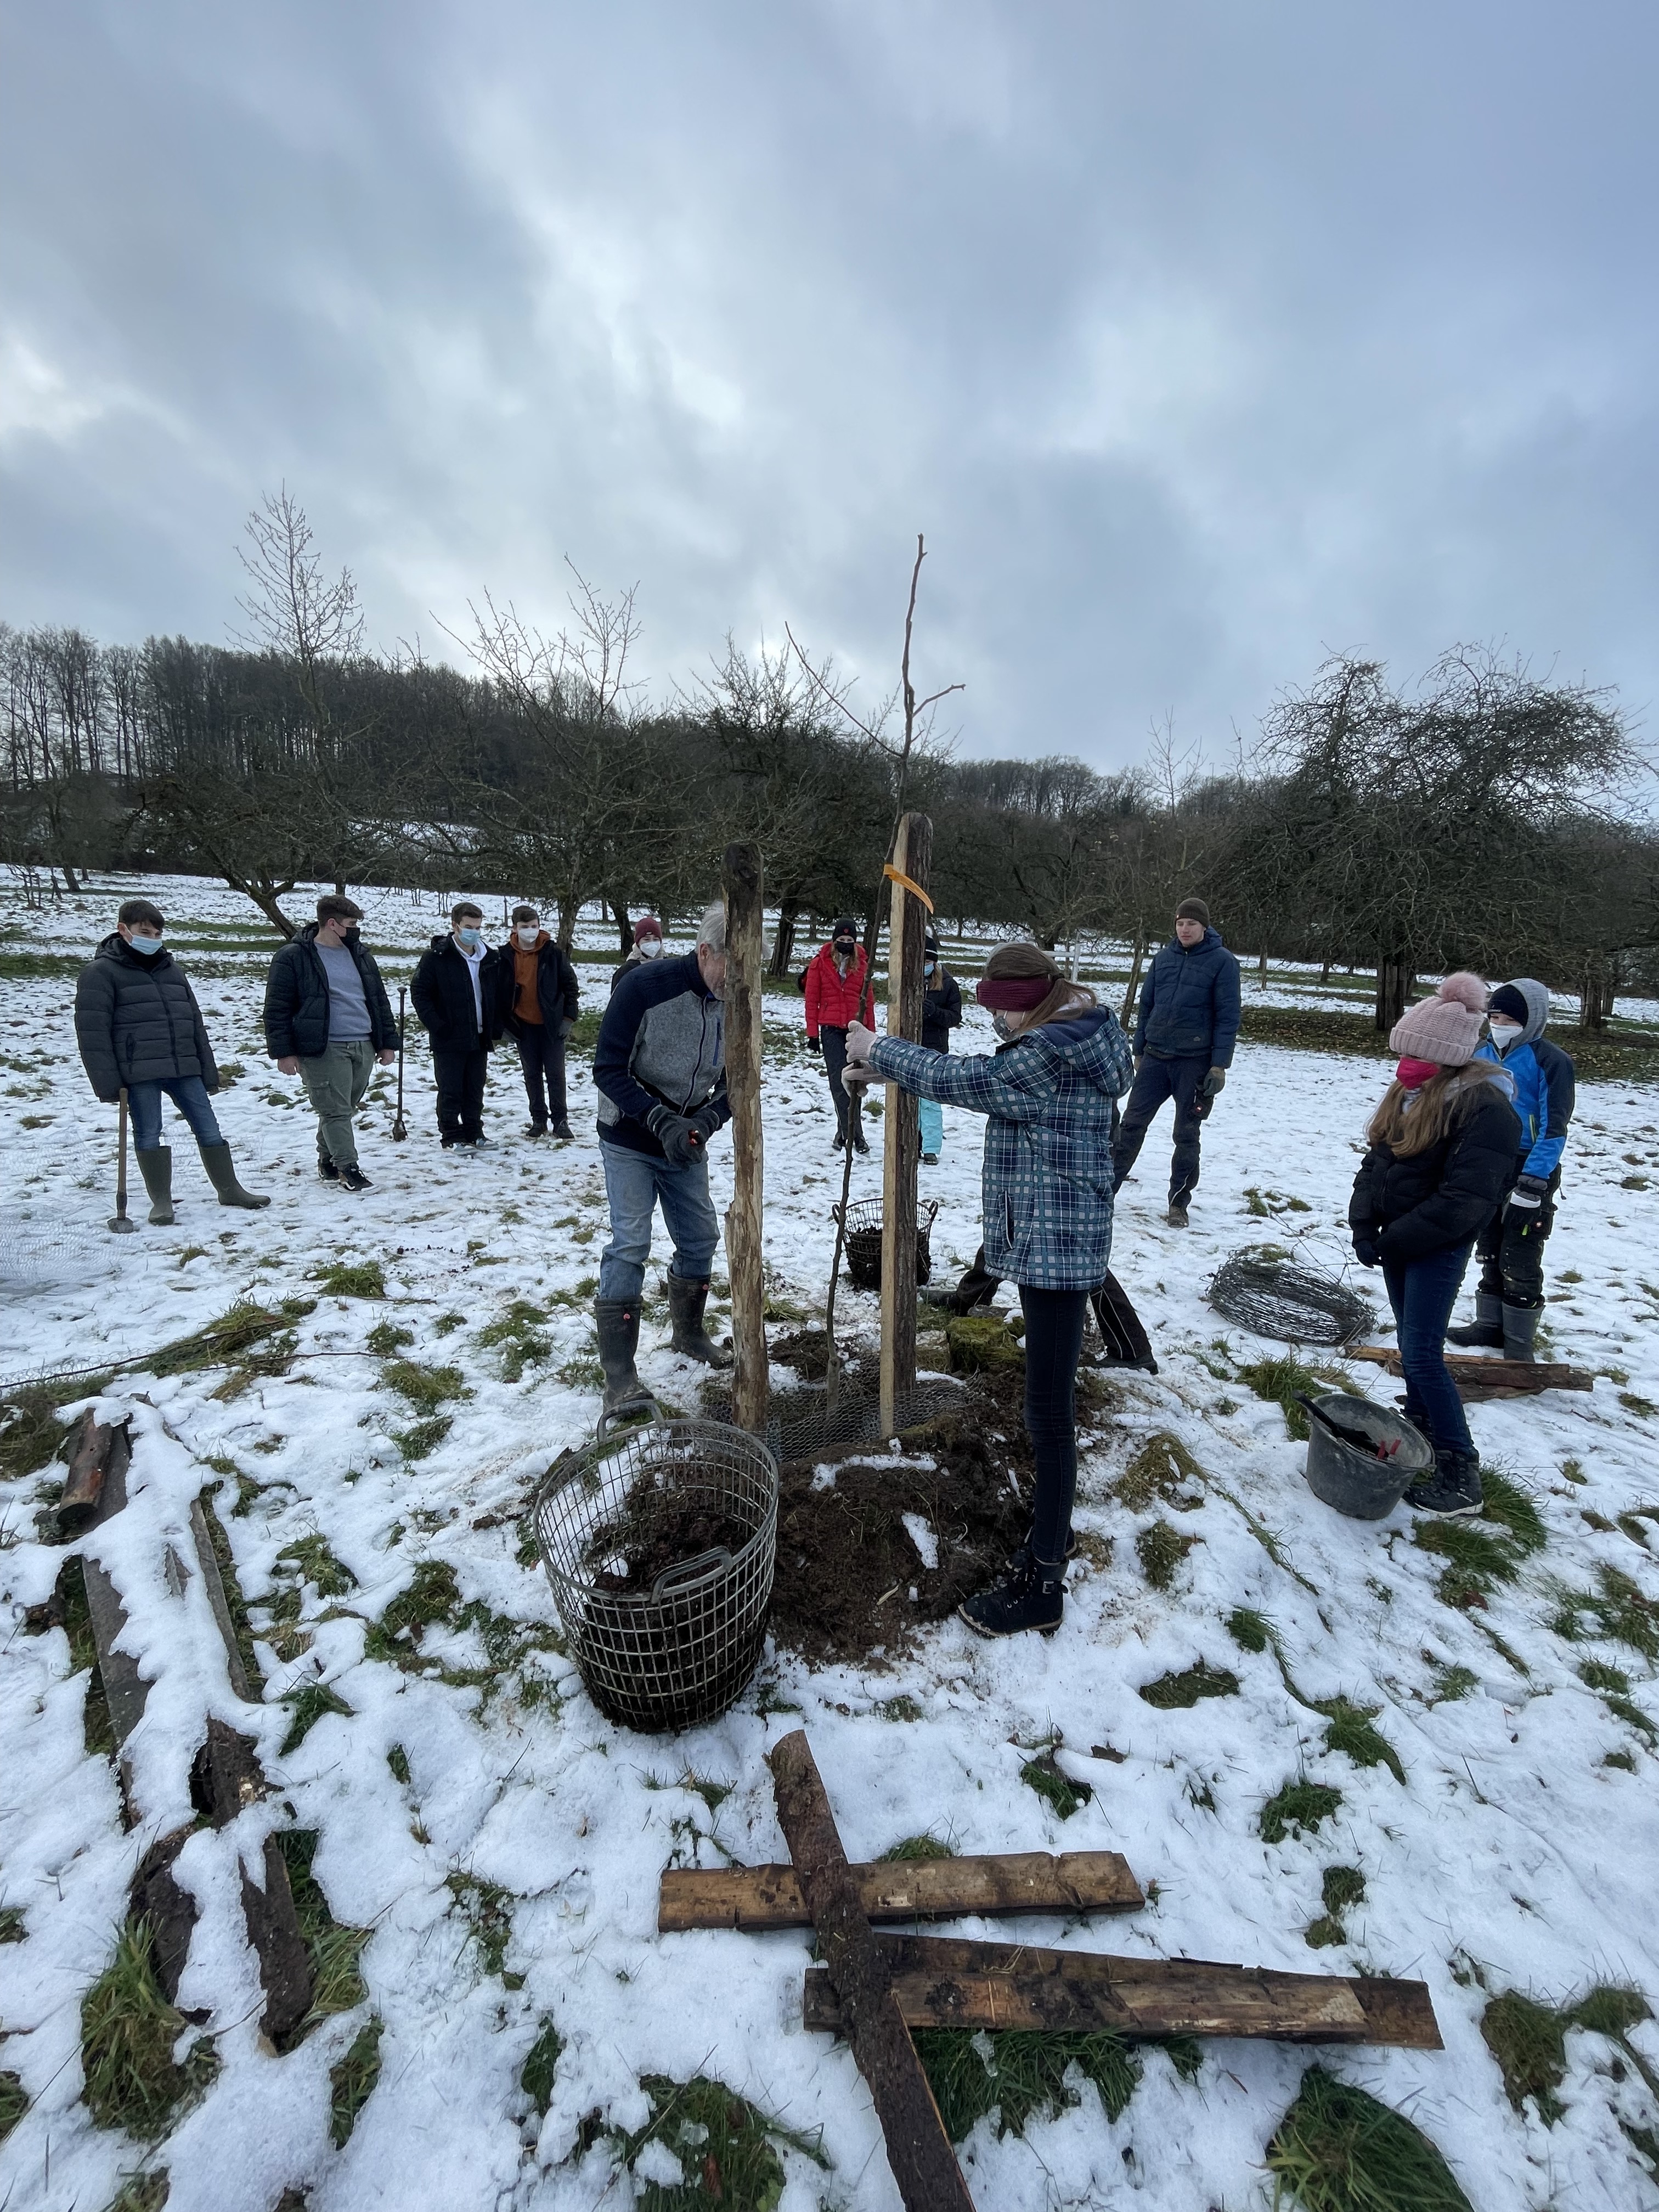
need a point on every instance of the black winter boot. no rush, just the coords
(1031, 1595)
(1453, 1491)
(564, 1132)
(617, 1322)
(686, 1303)
(1485, 1331)
(1521, 1332)
(221, 1174)
(156, 1168)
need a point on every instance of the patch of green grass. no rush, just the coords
(517, 1332)
(344, 1278)
(1055, 1786)
(1251, 1629)
(1020, 2075)
(1477, 1561)
(1528, 2040)
(251, 1337)
(1162, 1469)
(426, 1388)
(1351, 1731)
(1642, 1409)
(1161, 1548)
(487, 1909)
(13, 2103)
(33, 1430)
(147, 2192)
(337, 1980)
(1337, 2149)
(385, 1340)
(540, 2063)
(314, 1563)
(12, 1929)
(433, 1596)
(723, 2142)
(398, 1759)
(422, 1438)
(1279, 1380)
(1174, 1691)
(908, 1849)
(1596, 1675)
(1297, 1808)
(351, 2083)
(308, 1704)
(1449, 1683)
(1633, 1718)
(1339, 1886)
(1319, 1934)
(901, 1708)
(128, 2033)
(1505, 1501)
(1618, 1609)
(448, 1323)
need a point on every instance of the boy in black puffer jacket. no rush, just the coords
(1443, 1155)
(140, 1029)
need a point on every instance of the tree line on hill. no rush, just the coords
(1482, 817)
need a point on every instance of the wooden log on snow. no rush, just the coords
(943, 1982)
(997, 1885)
(918, 2149)
(745, 961)
(913, 857)
(214, 1582)
(1479, 1376)
(96, 1444)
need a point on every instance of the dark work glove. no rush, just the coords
(705, 1121)
(1213, 1082)
(1367, 1251)
(680, 1140)
(814, 1044)
(1529, 1193)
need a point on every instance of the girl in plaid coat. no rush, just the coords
(1049, 1091)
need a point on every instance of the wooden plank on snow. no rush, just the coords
(1001, 1883)
(1490, 1376)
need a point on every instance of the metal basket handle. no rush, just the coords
(643, 1404)
(689, 1570)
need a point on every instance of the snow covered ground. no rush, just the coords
(1513, 1857)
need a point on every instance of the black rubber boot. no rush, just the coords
(1453, 1491)
(618, 1324)
(564, 1132)
(1521, 1332)
(1485, 1331)
(686, 1303)
(156, 1168)
(221, 1174)
(1030, 1596)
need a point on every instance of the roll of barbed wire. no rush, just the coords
(1269, 1289)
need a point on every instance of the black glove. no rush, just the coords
(681, 1141)
(1213, 1082)
(1530, 1192)
(1367, 1251)
(706, 1121)
(814, 1044)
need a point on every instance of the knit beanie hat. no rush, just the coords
(1446, 1028)
(1193, 910)
(844, 928)
(1508, 1001)
(648, 926)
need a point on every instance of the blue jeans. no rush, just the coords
(1423, 1295)
(188, 1093)
(633, 1182)
(931, 1114)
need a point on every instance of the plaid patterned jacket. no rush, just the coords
(1047, 1177)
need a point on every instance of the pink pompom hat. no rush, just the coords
(1446, 1029)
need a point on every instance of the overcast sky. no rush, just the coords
(1200, 339)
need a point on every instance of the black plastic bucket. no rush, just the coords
(1352, 1476)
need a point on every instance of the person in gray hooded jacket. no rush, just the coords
(659, 1069)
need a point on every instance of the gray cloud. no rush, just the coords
(1198, 339)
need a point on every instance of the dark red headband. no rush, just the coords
(1013, 994)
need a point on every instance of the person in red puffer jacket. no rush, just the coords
(838, 991)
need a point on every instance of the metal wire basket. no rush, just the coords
(680, 1647)
(863, 1243)
(1264, 1289)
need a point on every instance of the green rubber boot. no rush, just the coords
(156, 1168)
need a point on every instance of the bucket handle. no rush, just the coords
(1317, 1412)
(643, 1404)
(689, 1570)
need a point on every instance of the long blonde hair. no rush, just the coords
(1439, 1103)
(1020, 963)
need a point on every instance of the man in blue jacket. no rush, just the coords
(1185, 1032)
(659, 1069)
(1510, 1298)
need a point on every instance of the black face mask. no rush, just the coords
(349, 937)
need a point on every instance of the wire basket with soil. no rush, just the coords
(659, 1547)
(862, 1223)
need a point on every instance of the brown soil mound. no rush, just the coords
(656, 1531)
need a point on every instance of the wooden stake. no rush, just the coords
(998, 1883)
(918, 2149)
(746, 958)
(913, 856)
(1490, 1376)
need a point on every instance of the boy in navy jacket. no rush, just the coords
(1185, 1031)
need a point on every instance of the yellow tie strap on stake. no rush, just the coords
(898, 876)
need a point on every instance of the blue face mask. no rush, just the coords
(472, 938)
(147, 945)
(928, 966)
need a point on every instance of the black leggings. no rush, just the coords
(1054, 1345)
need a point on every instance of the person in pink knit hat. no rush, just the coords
(1442, 1149)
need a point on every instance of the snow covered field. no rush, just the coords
(1513, 1855)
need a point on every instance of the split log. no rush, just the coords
(764, 1897)
(913, 856)
(943, 1982)
(274, 1931)
(95, 1445)
(214, 1582)
(918, 2149)
(746, 958)
(225, 1775)
(1478, 1377)
(167, 1909)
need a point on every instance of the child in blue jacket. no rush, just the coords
(1510, 1298)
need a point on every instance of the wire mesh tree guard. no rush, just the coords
(1268, 1290)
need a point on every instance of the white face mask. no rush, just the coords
(650, 948)
(1503, 1033)
(527, 933)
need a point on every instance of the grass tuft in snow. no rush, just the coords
(422, 1438)
(1337, 2149)
(352, 2083)
(385, 1340)
(724, 2145)
(128, 2033)
(1449, 1683)
(1280, 1381)
(398, 1759)
(1319, 1934)
(343, 1279)
(1173, 1691)
(540, 2064)
(1514, 1508)
(1341, 1887)
(487, 1909)
(1528, 2040)
(1478, 1561)
(516, 1331)
(1251, 1629)
(248, 1337)
(308, 1705)
(426, 1388)
(1618, 1610)
(1161, 1549)
(1022, 2076)
(1351, 1731)
(12, 1929)
(316, 1564)
(908, 1849)
(33, 1430)
(1053, 1785)
(1297, 1808)
(13, 2103)
(1162, 1469)
(336, 1981)
(145, 2192)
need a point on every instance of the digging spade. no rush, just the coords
(117, 1220)
(399, 1127)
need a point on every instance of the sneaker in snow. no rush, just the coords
(352, 1177)
(1177, 1217)
(1027, 1596)
(930, 1159)
(327, 1168)
(1453, 1489)
(564, 1132)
